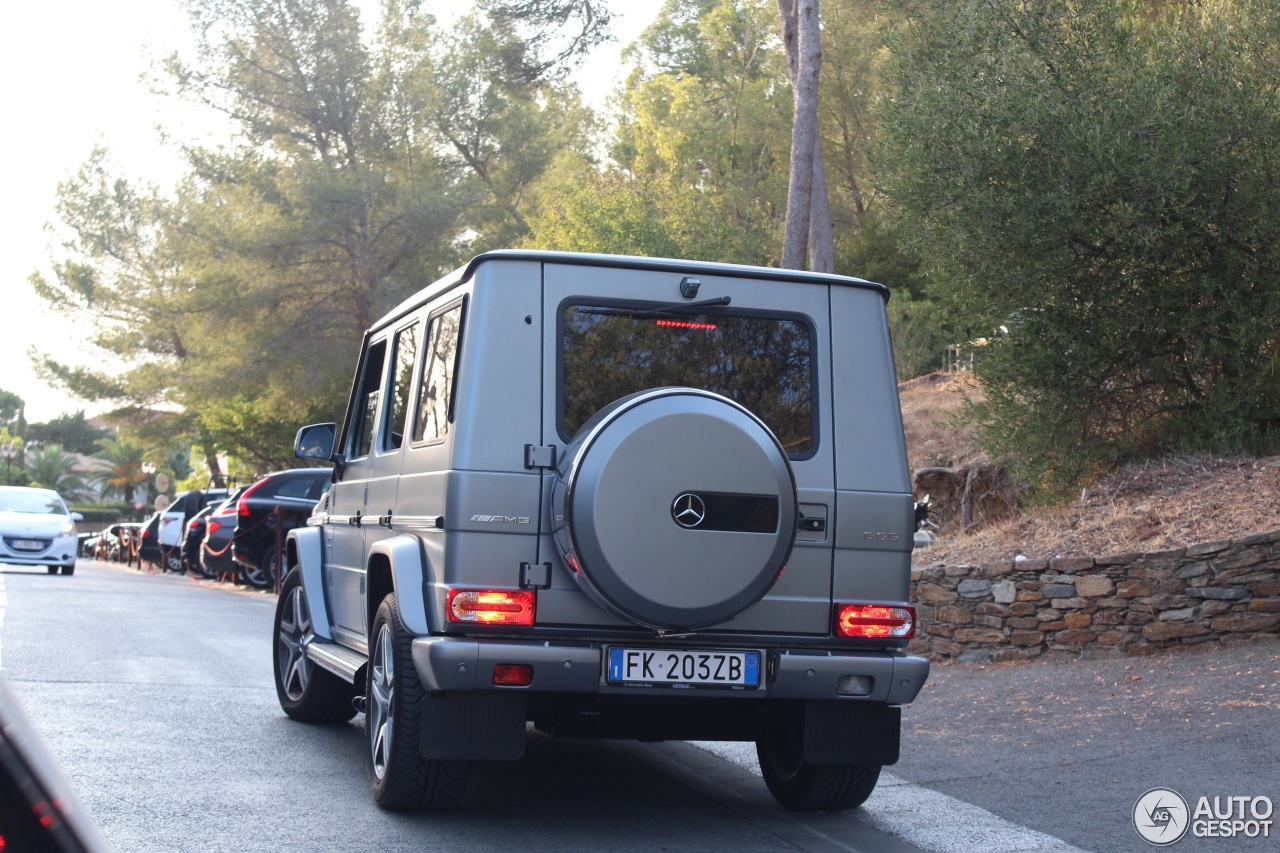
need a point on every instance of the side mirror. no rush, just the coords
(316, 442)
(77, 516)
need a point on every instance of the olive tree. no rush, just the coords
(1095, 188)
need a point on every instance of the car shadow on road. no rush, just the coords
(590, 795)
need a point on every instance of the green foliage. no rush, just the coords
(10, 405)
(708, 105)
(100, 515)
(919, 335)
(49, 467)
(619, 214)
(1100, 177)
(13, 473)
(230, 309)
(73, 432)
(120, 470)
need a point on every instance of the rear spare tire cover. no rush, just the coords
(675, 508)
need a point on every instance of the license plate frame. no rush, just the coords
(684, 669)
(27, 544)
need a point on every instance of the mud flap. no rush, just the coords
(851, 733)
(484, 725)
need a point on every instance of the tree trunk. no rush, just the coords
(808, 228)
(822, 245)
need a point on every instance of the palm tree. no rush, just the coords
(121, 466)
(50, 468)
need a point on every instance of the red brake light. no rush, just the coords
(685, 324)
(490, 606)
(875, 622)
(214, 527)
(513, 674)
(242, 508)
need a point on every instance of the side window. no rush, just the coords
(366, 408)
(404, 355)
(439, 372)
(303, 488)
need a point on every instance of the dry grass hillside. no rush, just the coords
(1153, 506)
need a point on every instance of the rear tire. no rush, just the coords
(396, 713)
(263, 576)
(306, 692)
(804, 787)
(173, 562)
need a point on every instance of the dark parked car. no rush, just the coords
(295, 492)
(149, 549)
(219, 528)
(193, 538)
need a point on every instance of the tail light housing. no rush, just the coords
(875, 621)
(242, 508)
(513, 675)
(490, 606)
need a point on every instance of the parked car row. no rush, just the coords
(218, 533)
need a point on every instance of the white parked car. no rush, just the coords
(37, 530)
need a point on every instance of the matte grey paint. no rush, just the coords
(506, 399)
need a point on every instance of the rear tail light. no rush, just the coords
(490, 606)
(875, 622)
(242, 508)
(214, 527)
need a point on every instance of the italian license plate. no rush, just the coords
(672, 668)
(27, 545)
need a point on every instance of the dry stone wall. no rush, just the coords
(1128, 604)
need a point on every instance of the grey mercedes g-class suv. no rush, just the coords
(612, 497)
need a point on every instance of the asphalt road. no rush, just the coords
(1069, 747)
(155, 695)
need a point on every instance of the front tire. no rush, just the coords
(396, 712)
(804, 787)
(306, 692)
(69, 569)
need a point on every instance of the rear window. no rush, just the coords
(762, 362)
(303, 487)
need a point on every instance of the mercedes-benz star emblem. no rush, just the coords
(688, 510)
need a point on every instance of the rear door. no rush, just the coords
(767, 349)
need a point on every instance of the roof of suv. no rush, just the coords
(464, 273)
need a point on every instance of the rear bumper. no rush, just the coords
(459, 664)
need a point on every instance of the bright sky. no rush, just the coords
(70, 72)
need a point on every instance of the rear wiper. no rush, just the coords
(673, 308)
